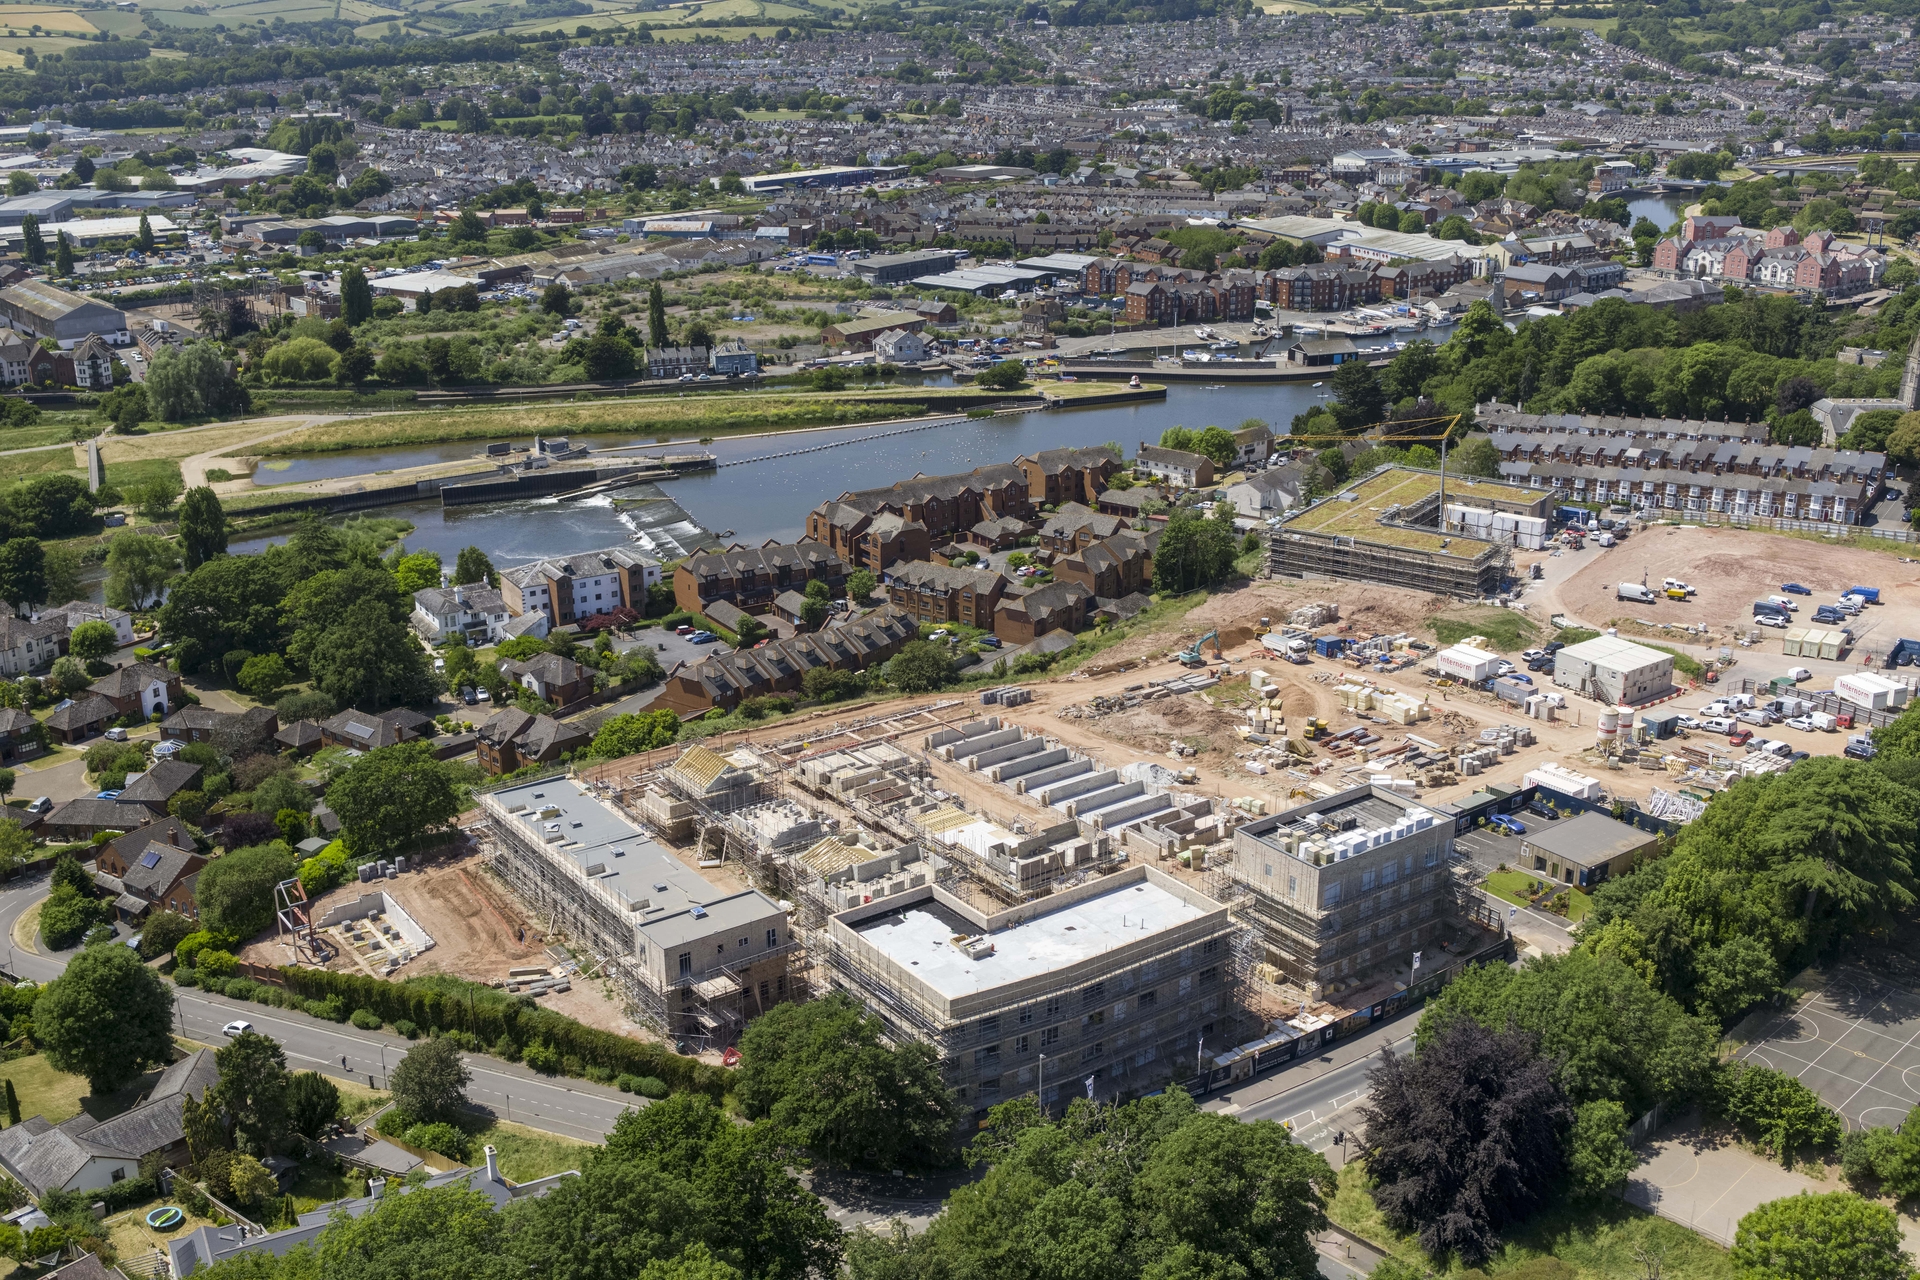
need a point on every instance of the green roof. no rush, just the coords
(1355, 512)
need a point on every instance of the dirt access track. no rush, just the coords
(1732, 568)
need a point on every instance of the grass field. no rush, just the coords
(670, 418)
(1505, 629)
(1597, 1238)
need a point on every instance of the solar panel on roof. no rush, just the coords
(150, 859)
(354, 726)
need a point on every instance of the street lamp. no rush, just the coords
(1040, 1091)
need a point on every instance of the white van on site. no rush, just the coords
(1634, 591)
(1756, 715)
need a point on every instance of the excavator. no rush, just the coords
(1192, 657)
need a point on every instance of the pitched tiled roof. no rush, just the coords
(78, 714)
(128, 681)
(160, 782)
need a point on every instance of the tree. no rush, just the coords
(202, 526)
(264, 675)
(93, 641)
(108, 1018)
(1194, 551)
(1358, 400)
(604, 356)
(23, 573)
(813, 613)
(126, 407)
(252, 1092)
(1776, 1108)
(62, 255)
(392, 796)
(473, 566)
(249, 1182)
(356, 297)
(1598, 1158)
(193, 382)
(163, 932)
(301, 359)
(138, 568)
(860, 584)
(557, 300)
(430, 1083)
(920, 667)
(143, 238)
(417, 572)
(33, 244)
(1007, 375)
(235, 891)
(656, 316)
(1903, 442)
(1476, 456)
(1819, 1237)
(354, 365)
(821, 1074)
(625, 735)
(312, 1103)
(1464, 1137)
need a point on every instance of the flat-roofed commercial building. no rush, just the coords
(694, 960)
(1585, 849)
(1347, 887)
(1108, 986)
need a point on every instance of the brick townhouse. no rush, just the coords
(936, 593)
(751, 577)
(873, 528)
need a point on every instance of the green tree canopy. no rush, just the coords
(1820, 1237)
(235, 891)
(108, 1018)
(820, 1072)
(392, 796)
(430, 1083)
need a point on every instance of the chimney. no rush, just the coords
(376, 1188)
(493, 1163)
(459, 594)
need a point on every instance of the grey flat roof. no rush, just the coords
(1586, 840)
(919, 937)
(628, 864)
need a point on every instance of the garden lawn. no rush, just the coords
(526, 1154)
(1595, 1237)
(44, 1091)
(1510, 886)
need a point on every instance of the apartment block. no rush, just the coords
(572, 588)
(938, 593)
(1106, 988)
(1346, 887)
(750, 578)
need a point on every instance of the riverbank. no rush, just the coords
(697, 417)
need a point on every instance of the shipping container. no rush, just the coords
(1864, 689)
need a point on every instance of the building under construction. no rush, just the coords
(1108, 989)
(693, 959)
(1386, 528)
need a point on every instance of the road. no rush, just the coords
(1324, 1106)
(572, 1108)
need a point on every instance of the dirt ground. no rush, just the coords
(1731, 568)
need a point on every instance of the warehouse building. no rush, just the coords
(1614, 671)
(1346, 887)
(1106, 988)
(41, 310)
(693, 960)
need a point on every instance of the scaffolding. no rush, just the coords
(1393, 543)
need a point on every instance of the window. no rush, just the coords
(1293, 886)
(990, 1026)
(745, 943)
(1053, 1005)
(1210, 947)
(686, 964)
(1389, 873)
(1433, 856)
(1209, 975)
(720, 948)
(773, 937)
(1148, 999)
(1094, 1019)
(1093, 1051)
(1023, 1044)
(1366, 880)
(1026, 1017)
(1091, 996)
(1049, 1037)
(1330, 894)
(986, 1055)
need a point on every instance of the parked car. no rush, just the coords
(1794, 589)
(1799, 674)
(1803, 723)
(1507, 826)
(1859, 751)
(1535, 807)
(1756, 715)
(702, 637)
(1827, 613)
(1515, 675)
(1740, 737)
(1533, 655)
(1770, 620)
(1717, 724)
(683, 630)
(1688, 722)
(116, 734)
(41, 804)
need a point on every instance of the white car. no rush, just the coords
(1799, 674)
(1770, 620)
(238, 1027)
(1688, 722)
(1504, 668)
(1803, 723)
(1532, 654)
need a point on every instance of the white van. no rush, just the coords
(1785, 602)
(1717, 724)
(1634, 591)
(1756, 715)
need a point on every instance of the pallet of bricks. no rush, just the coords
(1008, 695)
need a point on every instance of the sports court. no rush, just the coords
(1856, 1043)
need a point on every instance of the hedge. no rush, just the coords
(443, 1004)
(121, 1195)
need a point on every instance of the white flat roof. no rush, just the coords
(919, 938)
(1614, 652)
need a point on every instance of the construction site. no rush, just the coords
(1388, 528)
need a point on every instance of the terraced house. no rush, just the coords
(1698, 467)
(751, 578)
(939, 593)
(872, 528)
(726, 680)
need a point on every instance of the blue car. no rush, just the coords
(108, 795)
(1509, 826)
(1794, 589)
(702, 637)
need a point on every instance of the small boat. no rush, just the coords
(726, 533)
(1223, 346)
(1319, 384)
(1134, 381)
(1195, 353)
